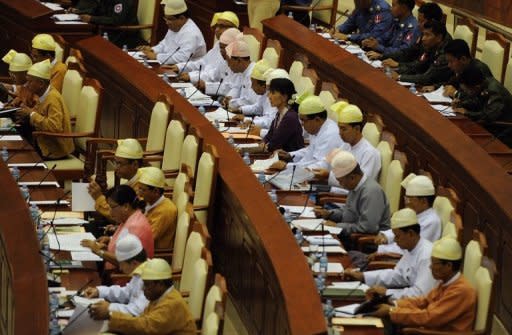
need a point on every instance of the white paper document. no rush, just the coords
(350, 285)
(70, 22)
(181, 85)
(68, 221)
(85, 302)
(81, 323)
(405, 83)
(137, 54)
(49, 202)
(192, 93)
(323, 240)
(260, 165)
(28, 165)
(38, 183)
(53, 6)
(247, 145)
(220, 114)
(86, 256)
(236, 130)
(315, 224)
(331, 249)
(437, 96)
(11, 138)
(331, 267)
(346, 311)
(292, 179)
(81, 199)
(65, 313)
(67, 17)
(303, 212)
(445, 110)
(69, 242)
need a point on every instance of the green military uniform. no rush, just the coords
(430, 68)
(494, 104)
(469, 101)
(86, 6)
(118, 13)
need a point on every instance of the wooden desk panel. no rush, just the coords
(268, 278)
(431, 141)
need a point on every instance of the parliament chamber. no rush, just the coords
(269, 282)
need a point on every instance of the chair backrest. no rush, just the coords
(327, 100)
(296, 71)
(71, 88)
(89, 111)
(443, 207)
(181, 202)
(273, 53)
(189, 152)
(495, 53)
(180, 239)
(305, 85)
(180, 185)
(211, 324)
(315, 79)
(449, 230)
(216, 294)
(484, 278)
(507, 82)
(158, 124)
(472, 260)
(205, 183)
(467, 30)
(254, 38)
(195, 243)
(385, 159)
(173, 144)
(371, 133)
(201, 270)
(393, 188)
(146, 13)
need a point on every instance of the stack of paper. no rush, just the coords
(66, 17)
(236, 130)
(292, 179)
(69, 242)
(11, 138)
(437, 96)
(315, 224)
(445, 110)
(346, 311)
(247, 145)
(60, 221)
(220, 114)
(323, 240)
(85, 256)
(301, 211)
(332, 249)
(366, 321)
(53, 6)
(137, 54)
(331, 267)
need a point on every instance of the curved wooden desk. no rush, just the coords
(431, 142)
(23, 290)
(268, 278)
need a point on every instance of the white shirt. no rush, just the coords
(216, 79)
(205, 68)
(411, 276)
(240, 84)
(189, 39)
(208, 58)
(430, 224)
(313, 156)
(128, 299)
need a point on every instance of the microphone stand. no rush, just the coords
(172, 54)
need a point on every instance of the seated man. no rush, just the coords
(428, 11)
(167, 312)
(403, 33)
(43, 47)
(239, 81)
(49, 114)
(116, 13)
(459, 58)
(419, 196)
(450, 306)
(84, 7)
(19, 63)
(127, 299)
(128, 159)
(367, 208)
(183, 41)
(324, 137)
(431, 68)
(221, 22)
(370, 18)
(160, 211)
(494, 102)
(252, 105)
(411, 277)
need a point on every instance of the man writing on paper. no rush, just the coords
(160, 211)
(183, 41)
(128, 159)
(450, 306)
(48, 115)
(167, 312)
(367, 208)
(411, 276)
(43, 47)
(324, 137)
(127, 299)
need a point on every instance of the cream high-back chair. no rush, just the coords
(395, 175)
(202, 269)
(272, 53)
(211, 324)
(254, 39)
(467, 31)
(181, 184)
(197, 240)
(174, 137)
(296, 71)
(386, 154)
(181, 202)
(371, 133)
(444, 208)
(189, 152)
(473, 255)
(216, 294)
(146, 14)
(205, 183)
(495, 52)
(305, 86)
(483, 285)
(71, 89)
(180, 239)
(158, 125)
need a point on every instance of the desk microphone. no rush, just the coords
(29, 168)
(197, 88)
(42, 180)
(172, 54)
(77, 294)
(186, 63)
(293, 175)
(52, 225)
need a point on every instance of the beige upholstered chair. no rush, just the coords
(495, 52)
(216, 294)
(395, 175)
(483, 285)
(475, 250)
(181, 202)
(158, 126)
(197, 240)
(202, 270)
(296, 71)
(444, 208)
(305, 85)
(205, 183)
(71, 89)
(181, 184)
(467, 30)
(273, 53)
(174, 137)
(386, 155)
(183, 228)
(254, 38)
(211, 324)
(87, 125)
(371, 133)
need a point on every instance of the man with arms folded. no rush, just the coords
(411, 276)
(130, 298)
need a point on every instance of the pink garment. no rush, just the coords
(137, 224)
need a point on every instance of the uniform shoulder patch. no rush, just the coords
(118, 8)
